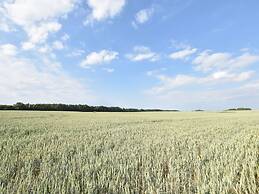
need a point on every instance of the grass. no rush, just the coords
(164, 152)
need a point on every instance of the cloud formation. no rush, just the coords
(24, 80)
(168, 83)
(29, 12)
(37, 18)
(38, 34)
(207, 61)
(58, 45)
(99, 58)
(104, 9)
(183, 54)
(8, 50)
(210, 99)
(143, 16)
(141, 53)
(214, 70)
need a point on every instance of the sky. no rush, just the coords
(169, 54)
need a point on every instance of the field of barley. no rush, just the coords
(146, 152)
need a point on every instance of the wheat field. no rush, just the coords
(146, 152)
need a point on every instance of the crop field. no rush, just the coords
(146, 152)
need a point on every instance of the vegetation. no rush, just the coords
(198, 110)
(71, 107)
(159, 152)
(238, 109)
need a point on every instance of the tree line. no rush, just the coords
(71, 107)
(238, 109)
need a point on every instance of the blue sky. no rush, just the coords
(179, 54)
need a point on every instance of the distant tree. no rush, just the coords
(20, 106)
(244, 109)
(6, 107)
(238, 109)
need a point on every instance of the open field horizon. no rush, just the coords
(129, 97)
(20, 106)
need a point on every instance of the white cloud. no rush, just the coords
(27, 12)
(244, 60)
(211, 91)
(179, 45)
(98, 58)
(65, 37)
(207, 61)
(227, 76)
(183, 54)
(8, 50)
(246, 95)
(104, 9)
(144, 15)
(58, 45)
(4, 26)
(27, 46)
(76, 53)
(225, 79)
(168, 83)
(45, 49)
(109, 70)
(37, 18)
(39, 34)
(48, 48)
(4, 23)
(45, 82)
(142, 53)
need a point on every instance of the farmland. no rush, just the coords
(145, 152)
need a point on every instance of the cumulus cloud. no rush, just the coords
(141, 53)
(98, 58)
(27, 46)
(45, 49)
(45, 82)
(37, 18)
(220, 74)
(143, 16)
(27, 12)
(227, 76)
(58, 45)
(38, 34)
(183, 54)
(104, 9)
(48, 48)
(8, 50)
(208, 61)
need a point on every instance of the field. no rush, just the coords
(147, 152)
